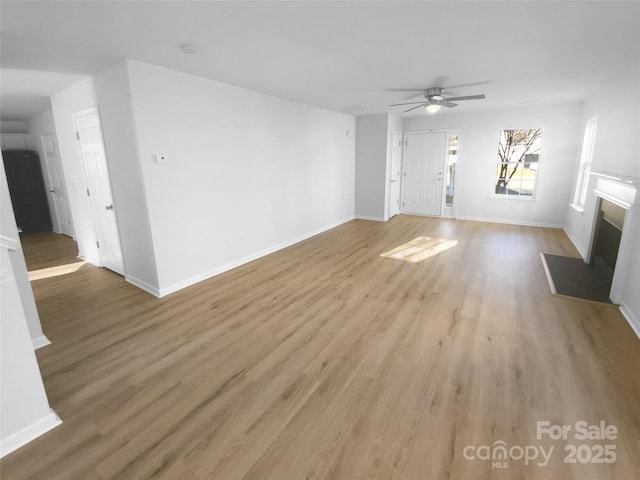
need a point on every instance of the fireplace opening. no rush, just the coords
(606, 240)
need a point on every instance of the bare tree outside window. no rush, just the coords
(518, 153)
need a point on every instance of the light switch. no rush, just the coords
(160, 158)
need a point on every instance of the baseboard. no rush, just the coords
(631, 319)
(373, 219)
(155, 291)
(33, 431)
(249, 258)
(581, 250)
(40, 342)
(523, 223)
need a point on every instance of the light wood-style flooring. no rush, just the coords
(328, 361)
(47, 250)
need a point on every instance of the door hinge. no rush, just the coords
(98, 243)
(78, 135)
(88, 193)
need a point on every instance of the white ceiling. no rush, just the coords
(337, 55)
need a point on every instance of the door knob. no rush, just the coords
(109, 207)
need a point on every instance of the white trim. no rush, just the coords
(155, 291)
(456, 191)
(39, 342)
(390, 146)
(612, 199)
(373, 219)
(523, 223)
(249, 258)
(519, 198)
(8, 243)
(31, 432)
(552, 284)
(579, 247)
(577, 208)
(631, 319)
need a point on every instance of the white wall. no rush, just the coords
(617, 107)
(371, 166)
(113, 97)
(246, 172)
(478, 161)
(19, 271)
(15, 141)
(13, 126)
(24, 408)
(42, 125)
(109, 91)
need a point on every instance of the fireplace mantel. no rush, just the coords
(618, 189)
(623, 191)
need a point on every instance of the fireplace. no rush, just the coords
(614, 218)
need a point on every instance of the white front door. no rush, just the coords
(58, 191)
(89, 135)
(423, 168)
(394, 177)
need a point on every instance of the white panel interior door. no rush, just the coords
(424, 164)
(56, 179)
(394, 177)
(89, 135)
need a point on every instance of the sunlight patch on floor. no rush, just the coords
(55, 271)
(420, 249)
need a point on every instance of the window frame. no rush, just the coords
(586, 161)
(498, 163)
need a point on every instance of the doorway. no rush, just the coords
(96, 172)
(58, 190)
(394, 175)
(451, 174)
(423, 173)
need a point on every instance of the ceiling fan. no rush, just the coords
(435, 99)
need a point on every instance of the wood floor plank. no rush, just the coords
(326, 360)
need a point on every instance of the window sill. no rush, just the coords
(577, 208)
(513, 197)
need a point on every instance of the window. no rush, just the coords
(452, 158)
(518, 153)
(585, 161)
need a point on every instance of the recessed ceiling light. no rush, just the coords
(189, 48)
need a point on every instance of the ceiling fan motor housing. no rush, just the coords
(434, 92)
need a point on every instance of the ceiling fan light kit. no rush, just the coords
(435, 100)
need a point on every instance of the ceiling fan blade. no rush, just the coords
(447, 103)
(415, 95)
(467, 97)
(398, 104)
(466, 85)
(404, 89)
(414, 108)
